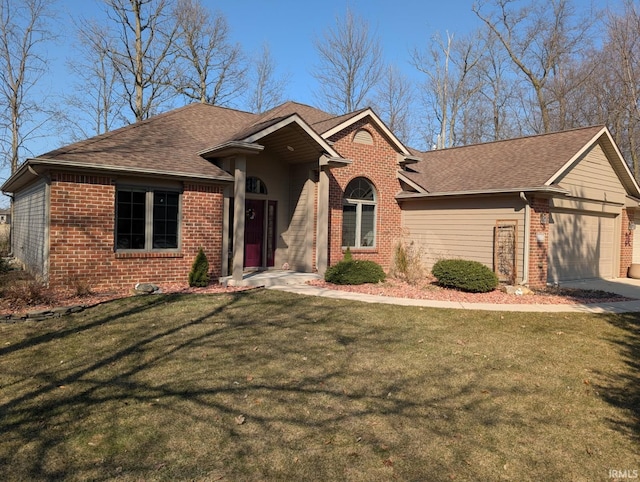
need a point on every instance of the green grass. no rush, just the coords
(151, 388)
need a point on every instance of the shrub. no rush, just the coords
(407, 263)
(28, 292)
(465, 275)
(4, 265)
(80, 286)
(199, 275)
(354, 272)
(347, 255)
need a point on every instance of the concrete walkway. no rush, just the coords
(623, 286)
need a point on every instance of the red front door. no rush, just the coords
(253, 233)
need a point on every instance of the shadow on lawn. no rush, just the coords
(624, 391)
(33, 413)
(300, 370)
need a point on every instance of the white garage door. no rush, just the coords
(581, 246)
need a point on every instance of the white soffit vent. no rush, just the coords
(363, 137)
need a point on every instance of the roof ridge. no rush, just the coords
(511, 139)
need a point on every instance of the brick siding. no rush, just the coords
(539, 250)
(81, 237)
(626, 242)
(377, 163)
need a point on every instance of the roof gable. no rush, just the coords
(343, 122)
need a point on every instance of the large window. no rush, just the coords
(147, 219)
(359, 214)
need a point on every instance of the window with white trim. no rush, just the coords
(147, 219)
(359, 214)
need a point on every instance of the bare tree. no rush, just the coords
(267, 89)
(24, 29)
(97, 103)
(493, 113)
(623, 45)
(141, 51)
(350, 65)
(211, 68)
(450, 86)
(540, 39)
(393, 102)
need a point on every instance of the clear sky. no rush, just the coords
(289, 27)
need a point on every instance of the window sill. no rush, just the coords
(371, 250)
(148, 254)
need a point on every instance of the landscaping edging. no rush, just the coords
(41, 315)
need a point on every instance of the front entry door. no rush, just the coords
(253, 233)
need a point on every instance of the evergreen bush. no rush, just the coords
(199, 275)
(465, 275)
(354, 272)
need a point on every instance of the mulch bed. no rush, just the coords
(69, 298)
(426, 290)
(429, 290)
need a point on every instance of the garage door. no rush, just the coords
(581, 246)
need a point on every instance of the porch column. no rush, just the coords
(239, 191)
(322, 233)
(226, 165)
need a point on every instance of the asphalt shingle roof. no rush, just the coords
(510, 164)
(168, 142)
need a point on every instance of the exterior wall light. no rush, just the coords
(632, 226)
(544, 218)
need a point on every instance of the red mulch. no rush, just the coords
(428, 290)
(68, 298)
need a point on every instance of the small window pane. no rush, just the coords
(255, 185)
(165, 220)
(367, 224)
(359, 188)
(130, 221)
(349, 225)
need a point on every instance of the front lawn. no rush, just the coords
(264, 385)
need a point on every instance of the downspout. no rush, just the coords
(10, 196)
(527, 239)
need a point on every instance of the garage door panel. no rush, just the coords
(581, 246)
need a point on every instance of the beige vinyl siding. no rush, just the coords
(299, 235)
(581, 246)
(462, 228)
(30, 231)
(593, 178)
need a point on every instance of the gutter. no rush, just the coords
(28, 168)
(408, 196)
(527, 239)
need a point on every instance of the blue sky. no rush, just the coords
(289, 27)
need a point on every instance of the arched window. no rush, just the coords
(359, 214)
(255, 185)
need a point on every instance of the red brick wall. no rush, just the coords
(82, 221)
(538, 250)
(626, 242)
(378, 163)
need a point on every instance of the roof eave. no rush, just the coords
(630, 181)
(401, 176)
(551, 190)
(332, 162)
(26, 174)
(294, 118)
(232, 148)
